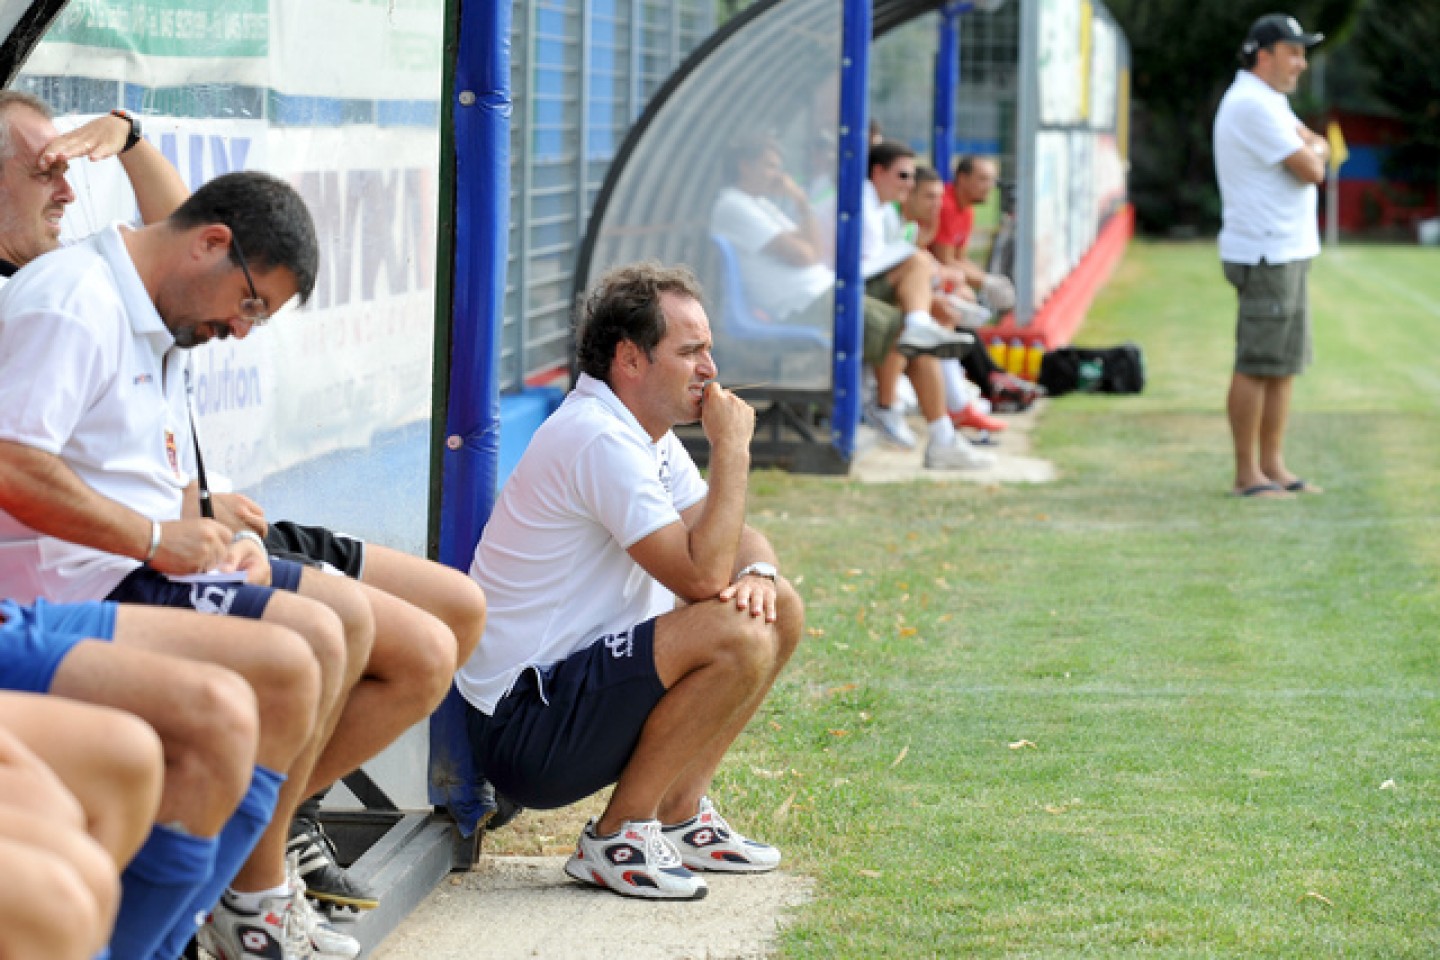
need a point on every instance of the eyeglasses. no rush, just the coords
(253, 310)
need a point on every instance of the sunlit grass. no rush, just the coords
(1124, 713)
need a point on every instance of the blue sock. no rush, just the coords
(237, 839)
(156, 887)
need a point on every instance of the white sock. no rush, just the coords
(942, 431)
(250, 902)
(956, 396)
(917, 317)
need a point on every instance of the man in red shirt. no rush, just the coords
(975, 177)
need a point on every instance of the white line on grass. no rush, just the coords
(1392, 285)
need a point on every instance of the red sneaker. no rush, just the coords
(971, 417)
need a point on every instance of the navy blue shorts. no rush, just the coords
(33, 640)
(567, 730)
(151, 588)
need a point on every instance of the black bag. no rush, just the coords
(1093, 370)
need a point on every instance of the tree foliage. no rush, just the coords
(1399, 42)
(1183, 56)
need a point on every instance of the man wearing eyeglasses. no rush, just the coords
(96, 464)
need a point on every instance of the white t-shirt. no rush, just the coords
(771, 284)
(882, 242)
(89, 372)
(553, 560)
(1267, 213)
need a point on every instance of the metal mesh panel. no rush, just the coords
(582, 71)
(778, 76)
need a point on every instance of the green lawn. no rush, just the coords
(1123, 713)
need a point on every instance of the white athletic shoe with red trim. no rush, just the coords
(637, 861)
(707, 842)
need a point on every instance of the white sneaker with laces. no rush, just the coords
(924, 335)
(274, 932)
(707, 842)
(891, 425)
(957, 455)
(327, 942)
(637, 861)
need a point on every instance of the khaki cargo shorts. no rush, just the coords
(1272, 327)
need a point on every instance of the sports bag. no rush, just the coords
(1093, 370)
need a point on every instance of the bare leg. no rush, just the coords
(111, 761)
(682, 800)
(437, 589)
(1245, 405)
(713, 660)
(407, 676)
(61, 890)
(914, 283)
(1273, 422)
(925, 376)
(205, 716)
(887, 377)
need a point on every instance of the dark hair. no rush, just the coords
(885, 153)
(747, 148)
(924, 174)
(268, 216)
(966, 164)
(624, 305)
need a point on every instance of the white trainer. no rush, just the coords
(327, 942)
(957, 455)
(707, 842)
(637, 861)
(924, 335)
(274, 932)
(891, 425)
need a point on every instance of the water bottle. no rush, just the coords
(1034, 357)
(997, 352)
(1015, 358)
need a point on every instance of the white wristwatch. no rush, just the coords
(759, 569)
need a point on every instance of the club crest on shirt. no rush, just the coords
(665, 471)
(143, 378)
(172, 452)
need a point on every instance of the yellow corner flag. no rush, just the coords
(1338, 153)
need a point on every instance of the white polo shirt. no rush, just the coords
(1267, 213)
(553, 560)
(89, 372)
(883, 246)
(775, 286)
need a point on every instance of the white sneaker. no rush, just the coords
(327, 942)
(971, 314)
(274, 932)
(707, 842)
(637, 862)
(891, 426)
(957, 455)
(924, 335)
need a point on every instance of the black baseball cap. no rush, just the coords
(1277, 28)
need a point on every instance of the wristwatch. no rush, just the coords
(759, 569)
(134, 136)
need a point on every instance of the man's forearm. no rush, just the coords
(716, 536)
(41, 491)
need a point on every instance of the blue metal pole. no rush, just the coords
(480, 105)
(947, 81)
(853, 163)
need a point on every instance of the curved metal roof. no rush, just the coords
(763, 70)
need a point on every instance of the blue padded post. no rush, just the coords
(947, 82)
(481, 107)
(853, 161)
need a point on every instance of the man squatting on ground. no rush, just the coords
(588, 673)
(104, 458)
(1268, 165)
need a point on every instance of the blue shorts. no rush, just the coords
(33, 640)
(151, 588)
(567, 730)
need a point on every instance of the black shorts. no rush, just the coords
(152, 588)
(316, 547)
(567, 730)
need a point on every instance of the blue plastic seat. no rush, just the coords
(744, 332)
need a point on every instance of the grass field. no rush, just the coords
(1123, 713)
